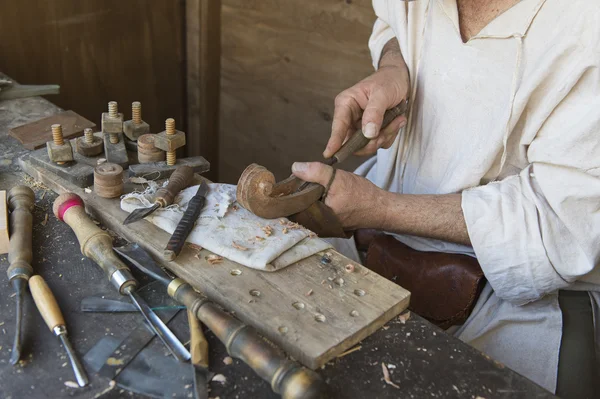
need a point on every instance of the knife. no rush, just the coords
(186, 224)
(199, 352)
(180, 179)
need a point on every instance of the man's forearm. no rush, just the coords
(431, 216)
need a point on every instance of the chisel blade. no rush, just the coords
(99, 305)
(140, 213)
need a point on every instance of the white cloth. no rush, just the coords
(511, 119)
(231, 231)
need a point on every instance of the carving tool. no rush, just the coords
(20, 254)
(92, 304)
(180, 179)
(285, 376)
(48, 308)
(187, 222)
(96, 244)
(258, 192)
(199, 351)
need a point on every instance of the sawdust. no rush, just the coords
(285, 230)
(111, 361)
(268, 230)
(238, 246)
(31, 182)
(386, 376)
(259, 238)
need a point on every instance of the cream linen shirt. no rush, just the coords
(511, 119)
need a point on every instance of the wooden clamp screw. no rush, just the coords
(135, 127)
(170, 140)
(59, 150)
(108, 180)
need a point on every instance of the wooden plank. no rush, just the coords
(203, 50)
(283, 63)
(36, 134)
(4, 237)
(305, 309)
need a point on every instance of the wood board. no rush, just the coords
(305, 309)
(36, 134)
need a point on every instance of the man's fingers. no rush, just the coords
(373, 115)
(346, 112)
(386, 137)
(314, 172)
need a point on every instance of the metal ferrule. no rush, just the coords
(19, 269)
(122, 279)
(174, 285)
(59, 330)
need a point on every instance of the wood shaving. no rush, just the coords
(71, 384)
(260, 238)
(349, 268)
(138, 180)
(87, 190)
(268, 230)
(403, 317)
(214, 259)
(219, 378)
(228, 360)
(309, 293)
(194, 246)
(312, 235)
(45, 221)
(285, 230)
(238, 246)
(282, 222)
(349, 351)
(386, 376)
(235, 207)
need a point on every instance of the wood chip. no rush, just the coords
(194, 246)
(214, 259)
(386, 376)
(403, 317)
(349, 268)
(349, 351)
(268, 230)
(285, 230)
(71, 384)
(138, 180)
(234, 207)
(309, 293)
(228, 360)
(282, 222)
(219, 378)
(238, 246)
(45, 221)
(87, 190)
(260, 238)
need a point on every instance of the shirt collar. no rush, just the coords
(513, 22)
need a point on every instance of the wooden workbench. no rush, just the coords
(428, 362)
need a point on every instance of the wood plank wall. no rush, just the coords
(282, 64)
(100, 50)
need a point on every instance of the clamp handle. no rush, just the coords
(180, 179)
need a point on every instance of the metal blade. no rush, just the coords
(95, 304)
(19, 286)
(203, 189)
(140, 213)
(200, 382)
(160, 329)
(80, 375)
(136, 255)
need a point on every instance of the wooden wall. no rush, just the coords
(282, 64)
(100, 50)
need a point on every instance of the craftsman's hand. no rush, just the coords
(363, 105)
(353, 198)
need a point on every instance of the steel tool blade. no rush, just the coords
(19, 287)
(135, 255)
(140, 213)
(160, 329)
(102, 305)
(78, 369)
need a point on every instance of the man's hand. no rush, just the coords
(363, 105)
(352, 198)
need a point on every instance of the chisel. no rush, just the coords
(285, 376)
(96, 244)
(20, 254)
(48, 308)
(180, 179)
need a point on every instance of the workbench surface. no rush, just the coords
(428, 362)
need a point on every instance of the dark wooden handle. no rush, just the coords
(180, 179)
(46, 302)
(184, 227)
(358, 139)
(20, 254)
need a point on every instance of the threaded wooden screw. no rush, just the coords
(57, 134)
(113, 109)
(170, 128)
(136, 112)
(89, 135)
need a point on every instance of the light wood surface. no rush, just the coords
(282, 64)
(45, 302)
(198, 342)
(305, 309)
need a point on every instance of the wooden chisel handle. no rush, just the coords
(20, 252)
(198, 342)
(358, 139)
(180, 179)
(95, 243)
(46, 302)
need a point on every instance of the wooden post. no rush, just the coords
(203, 47)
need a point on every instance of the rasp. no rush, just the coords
(180, 179)
(186, 224)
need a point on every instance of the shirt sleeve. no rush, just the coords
(539, 231)
(382, 31)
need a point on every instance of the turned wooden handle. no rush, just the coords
(198, 342)
(45, 302)
(180, 179)
(358, 140)
(20, 201)
(95, 243)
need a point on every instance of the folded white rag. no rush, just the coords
(229, 230)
